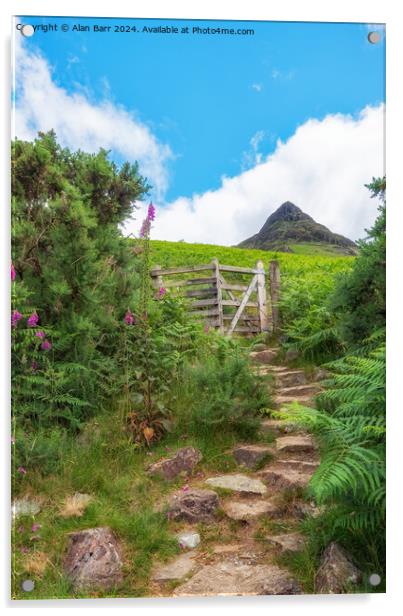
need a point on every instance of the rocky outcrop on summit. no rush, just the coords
(289, 225)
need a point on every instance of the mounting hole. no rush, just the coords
(27, 30)
(374, 579)
(374, 37)
(28, 585)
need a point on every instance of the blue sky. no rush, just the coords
(219, 103)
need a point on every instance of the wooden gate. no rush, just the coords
(234, 303)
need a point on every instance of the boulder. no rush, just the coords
(238, 483)
(233, 577)
(196, 505)
(291, 355)
(251, 509)
(175, 570)
(336, 573)
(251, 455)
(290, 378)
(93, 560)
(183, 461)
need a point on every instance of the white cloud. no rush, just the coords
(252, 156)
(322, 168)
(257, 87)
(41, 104)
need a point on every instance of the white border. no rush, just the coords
(369, 11)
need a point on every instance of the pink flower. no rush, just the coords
(185, 488)
(162, 292)
(129, 317)
(206, 329)
(20, 529)
(40, 334)
(22, 470)
(24, 549)
(33, 320)
(46, 345)
(12, 272)
(34, 366)
(145, 227)
(35, 527)
(15, 317)
(151, 212)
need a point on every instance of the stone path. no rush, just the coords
(264, 498)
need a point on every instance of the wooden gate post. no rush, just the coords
(157, 280)
(274, 277)
(219, 294)
(261, 297)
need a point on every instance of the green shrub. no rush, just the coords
(223, 396)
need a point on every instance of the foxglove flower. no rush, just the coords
(40, 334)
(151, 212)
(33, 320)
(22, 470)
(46, 345)
(162, 292)
(12, 272)
(15, 317)
(129, 317)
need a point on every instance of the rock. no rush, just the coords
(302, 509)
(288, 542)
(25, 506)
(188, 540)
(284, 478)
(231, 577)
(250, 510)
(175, 570)
(291, 355)
(264, 357)
(93, 559)
(251, 455)
(196, 505)
(238, 483)
(303, 466)
(336, 573)
(295, 444)
(183, 461)
(290, 378)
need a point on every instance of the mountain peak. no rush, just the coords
(289, 225)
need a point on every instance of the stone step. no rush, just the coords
(290, 378)
(176, 570)
(279, 478)
(310, 389)
(252, 455)
(249, 510)
(278, 426)
(264, 357)
(237, 483)
(297, 443)
(303, 466)
(269, 369)
(287, 543)
(232, 577)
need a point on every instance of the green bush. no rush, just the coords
(223, 396)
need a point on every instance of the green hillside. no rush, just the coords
(170, 254)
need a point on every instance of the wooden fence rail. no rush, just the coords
(231, 306)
